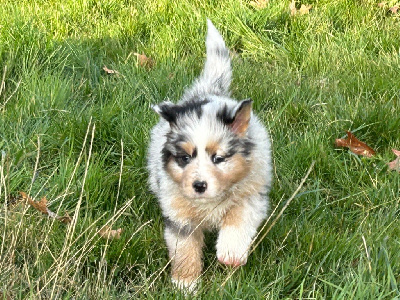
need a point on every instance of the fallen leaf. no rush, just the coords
(110, 234)
(355, 145)
(66, 219)
(395, 164)
(304, 9)
(143, 60)
(394, 9)
(260, 4)
(42, 207)
(109, 71)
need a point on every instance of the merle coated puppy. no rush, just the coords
(210, 166)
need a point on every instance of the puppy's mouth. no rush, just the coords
(195, 196)
(206, 196)
(201, 189)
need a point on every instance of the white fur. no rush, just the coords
(188, 288)
(233, 242)
(216, 68)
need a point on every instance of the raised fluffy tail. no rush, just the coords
(216, 76)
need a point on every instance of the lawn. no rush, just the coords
(73, 133)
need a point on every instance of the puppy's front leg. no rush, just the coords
(185, 252)
(238, 228)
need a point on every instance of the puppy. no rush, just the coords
(209, 163)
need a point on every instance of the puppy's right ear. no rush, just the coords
(242, 117)
(167, 111)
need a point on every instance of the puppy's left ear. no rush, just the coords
(167, 111)
(242, 117)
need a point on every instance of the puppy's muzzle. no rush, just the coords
(200, 186)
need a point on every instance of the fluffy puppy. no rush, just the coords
(210, 166)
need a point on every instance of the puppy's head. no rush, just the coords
(207, 149)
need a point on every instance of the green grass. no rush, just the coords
(78, 136)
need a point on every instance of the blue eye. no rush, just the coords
(216, 159)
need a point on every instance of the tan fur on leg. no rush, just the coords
(186, 255)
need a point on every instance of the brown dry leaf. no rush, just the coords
(110, 234)
(394, 9)
(42, 207)
(143, 60)
(260, 4)
(395, 164)
(66, 219)
(304, 9)
(355, 145)
(109, 71)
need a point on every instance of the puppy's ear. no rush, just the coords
(167, 111)
(242, 117)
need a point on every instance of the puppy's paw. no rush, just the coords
(234, 261)
(232, 249)
(188, 286)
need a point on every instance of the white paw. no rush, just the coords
(232, 259)
(233, 247)
(187, 286)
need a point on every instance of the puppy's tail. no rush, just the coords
(216, 76)
(217, 71)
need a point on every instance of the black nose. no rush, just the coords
(200, 186)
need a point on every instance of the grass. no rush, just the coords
(78, 136)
